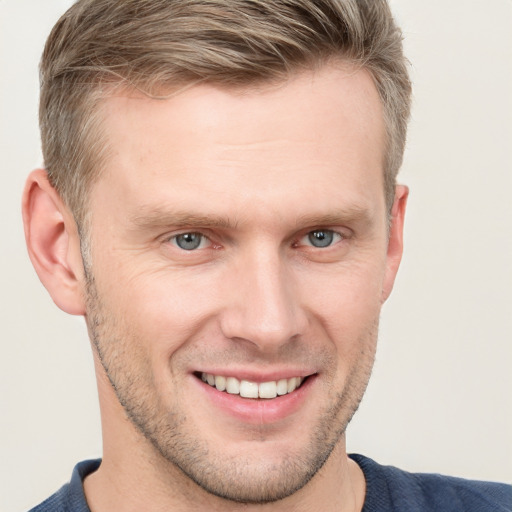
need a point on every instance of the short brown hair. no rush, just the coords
(158, 45)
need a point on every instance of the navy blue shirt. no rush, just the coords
(388, 489)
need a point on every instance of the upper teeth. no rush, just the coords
(248, 389)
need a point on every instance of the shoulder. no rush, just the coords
(70, 497)
(389, 488)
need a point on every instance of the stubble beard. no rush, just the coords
(237, 479)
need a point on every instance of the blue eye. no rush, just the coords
(189, 241)
(322, 237)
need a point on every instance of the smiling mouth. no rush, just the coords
(248, 389)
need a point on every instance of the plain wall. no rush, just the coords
(440, 396)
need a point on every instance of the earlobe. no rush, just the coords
(395, 242)
(53, 243)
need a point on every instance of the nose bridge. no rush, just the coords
(264, 307)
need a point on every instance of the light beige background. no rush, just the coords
(440, 396)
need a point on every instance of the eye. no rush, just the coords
(189, 241)
(321, 238)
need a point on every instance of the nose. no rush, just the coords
(264, 307)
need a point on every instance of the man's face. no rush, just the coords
(240, 238)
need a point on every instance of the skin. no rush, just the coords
(254, 172)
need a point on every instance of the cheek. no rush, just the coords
(348, 296)
(167, 307)
(160, 309)
(346, 307)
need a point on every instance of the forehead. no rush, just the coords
(322, 129)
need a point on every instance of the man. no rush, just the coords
(219, 201)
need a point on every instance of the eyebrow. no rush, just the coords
(155, 218)
(351, 214)
(158, 218)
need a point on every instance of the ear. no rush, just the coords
(53, 243)
(396, 239)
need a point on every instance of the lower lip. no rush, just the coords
(258, 411)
